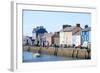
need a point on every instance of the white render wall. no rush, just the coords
(62, 38)
(76, 39)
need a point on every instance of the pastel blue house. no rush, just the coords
(86, 36)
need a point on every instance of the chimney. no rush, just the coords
(64, 26)
(77, 25)
(86, 26)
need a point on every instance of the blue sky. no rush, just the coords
(52, 21)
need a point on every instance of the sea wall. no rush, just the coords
(65, 52)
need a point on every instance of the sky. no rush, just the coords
(52, 21)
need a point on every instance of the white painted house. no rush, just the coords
(76, 38)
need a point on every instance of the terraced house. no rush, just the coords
(47, 39)
(85, 36)
(56, 39)
(76, 39)
(38, 33)
(67, 35)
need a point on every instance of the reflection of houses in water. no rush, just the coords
(85, 36)
(66, 34)
(38, 33)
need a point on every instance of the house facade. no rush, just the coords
(76, 39)
(56, 39)
(27, 40)
(86, 36)
(47, 39)
(65, 38)
(68, 35)
(38, 33)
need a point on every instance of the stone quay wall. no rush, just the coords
(65, 52)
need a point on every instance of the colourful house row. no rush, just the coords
(75, 35)
(69, 36)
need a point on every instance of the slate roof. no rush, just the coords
(56, 34)
(75, 30)
(48, 34)
(39, 30)
(77, 33)
(87, 29)
(68, 29)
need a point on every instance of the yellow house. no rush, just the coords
(65, 38)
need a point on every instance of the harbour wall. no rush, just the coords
(65, 52)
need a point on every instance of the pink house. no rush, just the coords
(47, 38)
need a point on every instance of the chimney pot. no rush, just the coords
(86, 26)
(64, 26)
(78, 25)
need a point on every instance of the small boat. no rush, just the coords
(36, 55)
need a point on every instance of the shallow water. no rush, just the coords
(28, 57)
